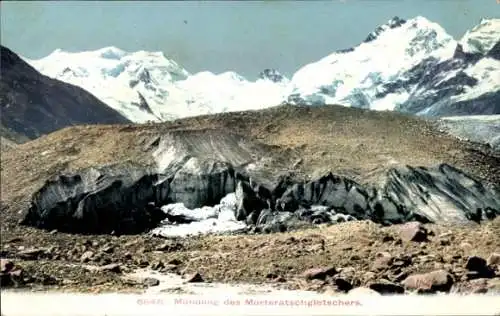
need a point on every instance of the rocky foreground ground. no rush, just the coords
(330, 258)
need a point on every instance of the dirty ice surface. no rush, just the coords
(207, 219)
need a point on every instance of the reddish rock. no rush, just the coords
(319, 273)
(413, 231)
(439, 280)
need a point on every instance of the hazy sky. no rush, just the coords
(244, 36)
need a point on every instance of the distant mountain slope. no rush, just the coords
(33, 104)
(413, 66)
(9, 139)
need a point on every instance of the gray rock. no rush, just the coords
(30, 254)
(195, 278)
(112, 267)
(151, 282)
(386, 287)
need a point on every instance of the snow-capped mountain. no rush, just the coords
(482, 37)
(411, 66)
(147, 86)
(273, 75)
(134, 84)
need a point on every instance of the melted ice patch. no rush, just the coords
(207, 219)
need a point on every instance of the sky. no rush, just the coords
(242, 36)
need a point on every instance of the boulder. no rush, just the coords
(435, 281)
(6, 265)
(386, 287)
(383, 260)
(319, 273)
(478, 268)
(149, 282)
(475, 263)
(413, 231)
(195, 278)
(11, 274)
(343, 285)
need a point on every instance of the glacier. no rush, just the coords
(412, 66)
(205, 220)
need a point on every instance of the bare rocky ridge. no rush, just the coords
(33, 104)
(287, 165)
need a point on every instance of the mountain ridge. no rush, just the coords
(376, 74)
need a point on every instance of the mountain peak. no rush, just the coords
(111, 52)
(396, 21)
(483, 37)
(272, 75)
